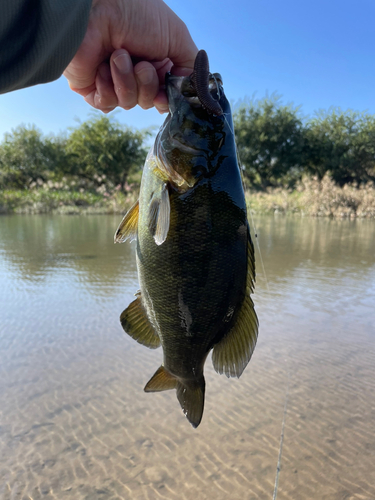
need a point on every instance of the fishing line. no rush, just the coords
(251, 215)
(278, 467)
(225, 118)
(217, 87)
(258, 246)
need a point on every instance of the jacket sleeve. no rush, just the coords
(38, 39)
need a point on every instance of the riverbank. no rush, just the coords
(44, 200)
(310, 198)
(316, 198)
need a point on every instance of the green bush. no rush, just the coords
(342, 144)
(102, 147)
(26, 156)
(270, 141)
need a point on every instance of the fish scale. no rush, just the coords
(195, 257)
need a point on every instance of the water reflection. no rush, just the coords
(35, 247)
(75, 423)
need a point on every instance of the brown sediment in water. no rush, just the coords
(75, 422)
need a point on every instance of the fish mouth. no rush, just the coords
(201, 82)
(196, 88)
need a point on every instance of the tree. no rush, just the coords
(342, 143)
(270, 140)
(23, 157)
(103, 146)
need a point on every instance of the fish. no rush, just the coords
(194, 252)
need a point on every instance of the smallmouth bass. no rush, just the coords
(195, 257)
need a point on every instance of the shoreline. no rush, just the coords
(311, 197)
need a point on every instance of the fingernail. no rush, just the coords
(124, 64)
(162, 108)
(145, 75)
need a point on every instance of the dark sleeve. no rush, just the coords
(38, 39)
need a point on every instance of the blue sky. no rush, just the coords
(315, 54)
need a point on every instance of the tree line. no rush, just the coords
(276, 147)
(97, 149)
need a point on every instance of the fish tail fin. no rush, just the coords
(190, 393)
(191, 398)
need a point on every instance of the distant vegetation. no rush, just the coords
(94, 166)
(278, 147)
(98, 164)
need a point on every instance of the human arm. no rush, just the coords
(116, 51)
(38, 39)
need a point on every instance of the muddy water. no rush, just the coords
(76, 424)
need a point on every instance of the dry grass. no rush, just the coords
(316, 198)
(41, 200)
(311, 197)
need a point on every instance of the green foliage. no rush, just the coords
(343, 144)
(276, 148)
(102, 146)
(25, 157)
(270, 140)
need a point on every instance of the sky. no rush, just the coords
(315, 54)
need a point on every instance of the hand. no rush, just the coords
(128, 47)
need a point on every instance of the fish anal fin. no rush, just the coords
(135, 322)
(129, 225)
(232, 354)
(162, 380)
(159, 215)
(191, 398)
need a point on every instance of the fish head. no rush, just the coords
(196, 132)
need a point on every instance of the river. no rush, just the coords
(76, 424)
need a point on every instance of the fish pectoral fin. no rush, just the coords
(135, 322)
(159, 215)
(162, 380)
(129, 225)
(191, 398)
(232, 354)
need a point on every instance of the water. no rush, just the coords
(76, 424)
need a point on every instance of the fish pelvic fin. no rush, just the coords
(190, 393)
(232, 354)
(135, 322)
(159, 215)
(129, 225)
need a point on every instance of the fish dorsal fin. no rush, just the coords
(250, 264)
(191, 399)
(159, 215)
(135, 322)
(129, 225)
(162, 380)
(233, 352)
